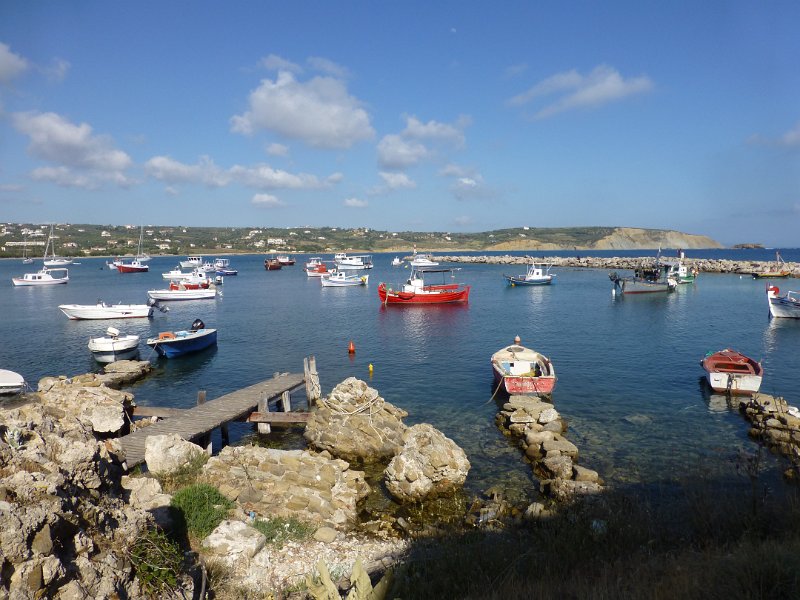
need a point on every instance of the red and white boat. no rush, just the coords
(731, 372)
(285, 260)
(523, 371)
(133, 267)
(316, 267)
(416, 291)
(272, 264)
(787, 306)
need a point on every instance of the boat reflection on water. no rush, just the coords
(716, 403)
(425, 328)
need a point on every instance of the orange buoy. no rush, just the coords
(351, 349)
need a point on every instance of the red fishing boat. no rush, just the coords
(521, 370)
(272, 264)
(416, 291)
(133, 267)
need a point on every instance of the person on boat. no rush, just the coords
(537, 370)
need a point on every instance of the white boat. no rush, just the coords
(101, 310)
(44, 277)
(114, 264)
(342, 279)
(114, 347)
(222, 266)
(26, 260)
(786, 306)
(397, 261)
(194, 276)
(191, 262)
(731, 372)
(11, 382)
(54, 261)
(422, 260)
(186, 294)
(535, 275)
(352, 262)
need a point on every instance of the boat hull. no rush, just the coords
(104, 311)
(734, 384)
(106, 349)
(731, 372)
(430, 295)
(638, 286)
(515, 281)
(129, 268)
(183, 342)
(343, 280)
(11, 382)
(522, 371)
(43, 277)
(525, 386)
(786, 307)
(201, 294)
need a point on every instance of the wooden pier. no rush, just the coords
(195, 424)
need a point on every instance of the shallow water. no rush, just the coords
(630, 384)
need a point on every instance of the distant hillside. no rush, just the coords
(105, 240)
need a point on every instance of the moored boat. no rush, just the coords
(422, 260)
(135, 266)
(645, 280)
(285, 260)
(11, 382)
(535, 275)
(352, 262)
(53, 260)
(777, 271)
(786, 306)
(316, 267)
(223, 267)
(520, 370)
(397, 261)
(272, 264)
(731, 372)
(114, 346)
(342, 279)
(172, 344)
(43, 277)
(416, 291)
(209, 293)
(101, 310)
(192, 262)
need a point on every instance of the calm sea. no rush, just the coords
(630, 384)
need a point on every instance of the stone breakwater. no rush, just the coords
(704, 265)
(776, 424)
(540, 429)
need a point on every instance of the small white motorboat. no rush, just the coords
(397, 261)
(422, 260)
(44, 277)
(11, 382)
(114, 347)
(786, 306)
(101, 310)
(208, 293)
(342, 279)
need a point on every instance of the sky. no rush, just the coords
(457, 116)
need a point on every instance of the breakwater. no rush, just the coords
(704, 265)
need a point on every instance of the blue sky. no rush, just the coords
(446, 116)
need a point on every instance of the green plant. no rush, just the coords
(182, 477)
(157, 561)
(202, 506)
(279, 530)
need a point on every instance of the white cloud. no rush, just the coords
(276, 149)
(434, 130)
(453, 170)
(64, 177)
(169, 170)
(266, 201)
(57, 71)
(11, 187)
(319, 112)
(396, 181)
(325, 65)
(55, 139)
(11, 64)
(395, 152)
(791, 137)
(265, 177)
(602, 86)
(273, 62)
(355, 203)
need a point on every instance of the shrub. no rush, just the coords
(157, 561)
(184, 476)
(202, 506)
(279, 530)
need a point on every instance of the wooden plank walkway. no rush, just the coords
(193, 423)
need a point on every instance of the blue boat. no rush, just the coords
(172, 344)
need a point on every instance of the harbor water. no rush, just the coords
(630, 383)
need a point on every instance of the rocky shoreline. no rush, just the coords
(703, 265)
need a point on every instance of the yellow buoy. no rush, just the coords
(370, 368)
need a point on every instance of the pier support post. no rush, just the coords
(205, 441)
(263, 407)
(286, 401)
(313, 389)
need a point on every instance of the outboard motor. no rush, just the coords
(198, 324)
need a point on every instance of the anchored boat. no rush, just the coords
(172, 344)
(787, 305)
(521, 370)
(416, 291)
(731, 372)
(114, 347)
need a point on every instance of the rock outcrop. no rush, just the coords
(355, 424)
(169, 453)
(428, 465)
(288, 483)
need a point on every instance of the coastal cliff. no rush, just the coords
(615, 238)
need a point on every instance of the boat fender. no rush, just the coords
(166, 335)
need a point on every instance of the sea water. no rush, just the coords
(629, 385)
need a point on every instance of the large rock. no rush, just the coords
(86, 398)
(429, 464)
(233, 541)
(169, 453)
(354, 423)
(288, 483)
